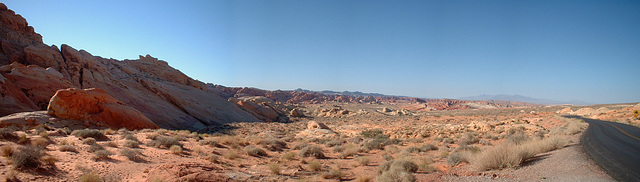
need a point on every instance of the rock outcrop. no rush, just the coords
(165, 95)
(96, 107)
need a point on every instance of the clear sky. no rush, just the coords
(560, 50)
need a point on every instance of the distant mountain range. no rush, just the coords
(347, 93)
(521, 98)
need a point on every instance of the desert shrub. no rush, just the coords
(444, 154)
(355, 140)
(152, 136)
(6, 150)
(23, 139)
(362, 178)
(300, 146)
(413, 149)
(89, 177)
(273, 144)
(424, 165)
(131, 137)
(378, 143)
(89, 141)
(95, 147)
(333, 143)
(231, 154)
(314, 165)
(209, 141)
(108, 131)
(255, 151)
(364, 161)
(373, 133)
(349, 151)
(312, 150)
(396, 175)
(470, 148)
(429, 147)
(338, 148)
(27, 157)
(274, 168)
(180, 137)
(39, 141)
(517, 138)
(447, 140)
(67, 148)
(510, 155)
(164, 142)
(233, 141)
(49, 160)
(212, 158)
(397, 170)
(7, 134)
(392, 149)
(131, 144)
(288, 156)
(485, 142)
(175, 149)
(131, 154)
(334, 173)
(468, 139)
(387, 157)
(456, 158)
(102, 154)
(93, 133)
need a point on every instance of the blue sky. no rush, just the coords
(560, 50)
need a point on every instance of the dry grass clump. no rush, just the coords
(164, 142)
(89, 177)
(233, 141)
(67, 148)
(274, 168)
(86, 133)
(333, 143)
(334, 173)
(27, 157)
(469, 139)
(209, 141)
(312, 150)
(379, 143)
(300, 146)
(273, 144)
(131, 144)
(458, 157)
(255, 151)
(231, 154)
(175, 149)
(350, 150)
(361, 178)
(572, 127)
(288, 156)
(95, 147)
(131, 154)
(314, 165)
(363, 161)
(373, 133)
(39, 141)
(7, 134)
(89, 141)
(102, 154)
(6, 150)
(129, 136)
(397, 170)
(510, 155)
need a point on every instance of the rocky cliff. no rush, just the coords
(31, 72)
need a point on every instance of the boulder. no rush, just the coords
(97, 108)
(296, 112)
(316, 125)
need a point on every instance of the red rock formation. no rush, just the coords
(97, 108)
(164, 94)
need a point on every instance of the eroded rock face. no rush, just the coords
(165, 95)
(98, 108)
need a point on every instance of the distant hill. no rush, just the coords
(347, 93)
(521, 98)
